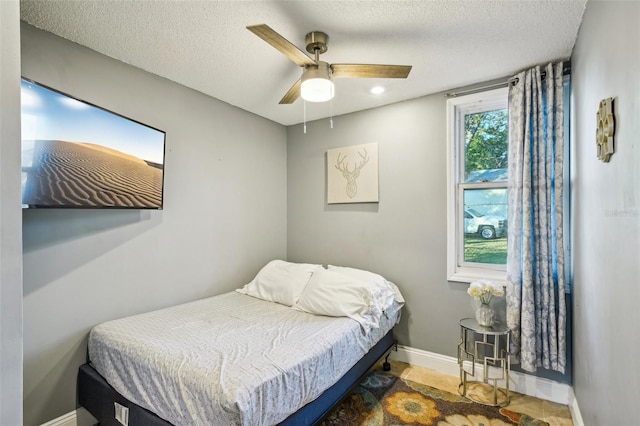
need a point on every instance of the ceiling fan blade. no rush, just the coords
(370, 71)
(287, 48)
(293, 93)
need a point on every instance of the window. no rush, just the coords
(477, 137)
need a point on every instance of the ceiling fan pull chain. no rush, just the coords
(304, 116)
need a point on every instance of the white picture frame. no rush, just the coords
(352, 174)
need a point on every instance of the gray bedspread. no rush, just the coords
(229, 359)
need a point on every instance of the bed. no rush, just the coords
(283, 349)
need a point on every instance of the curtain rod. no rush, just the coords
(566, 70)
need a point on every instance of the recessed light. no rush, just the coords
(376, 90)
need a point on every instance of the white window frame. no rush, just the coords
(457, 269)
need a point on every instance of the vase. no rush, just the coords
(484, 315)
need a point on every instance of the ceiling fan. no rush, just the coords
(316, 83)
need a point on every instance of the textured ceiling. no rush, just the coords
(205, 45)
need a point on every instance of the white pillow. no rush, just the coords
(280, 281)
(337, 295)
(385, 292)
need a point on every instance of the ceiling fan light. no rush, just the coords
(316, 83)
(317, 90)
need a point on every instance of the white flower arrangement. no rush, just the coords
(484, 290)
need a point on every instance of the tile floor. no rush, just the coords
(553, 413)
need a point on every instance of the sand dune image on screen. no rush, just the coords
(89, 175)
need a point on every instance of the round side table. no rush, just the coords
(482, 348)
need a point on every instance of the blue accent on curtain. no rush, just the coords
(536, 309)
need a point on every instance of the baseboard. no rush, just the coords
(79, 417)
(575, 410)
(518, 382)
(68, 419)
(440, 363)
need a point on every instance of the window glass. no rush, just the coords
(485, 226)
(485, 146)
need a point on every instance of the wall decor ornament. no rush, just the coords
(605, 122)
(352, 174)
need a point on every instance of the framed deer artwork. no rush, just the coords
(352, 174)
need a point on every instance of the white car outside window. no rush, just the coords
(486, 226)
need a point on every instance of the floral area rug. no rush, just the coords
(383, 399)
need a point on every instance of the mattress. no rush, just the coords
(229, 359)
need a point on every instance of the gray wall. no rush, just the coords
(606, 63)
(10, 218)
(403, 237)
(224, 217)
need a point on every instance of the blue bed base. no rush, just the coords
(98, 397)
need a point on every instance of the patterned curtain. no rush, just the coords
(536, 311)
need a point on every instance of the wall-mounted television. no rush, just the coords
(78, 155)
